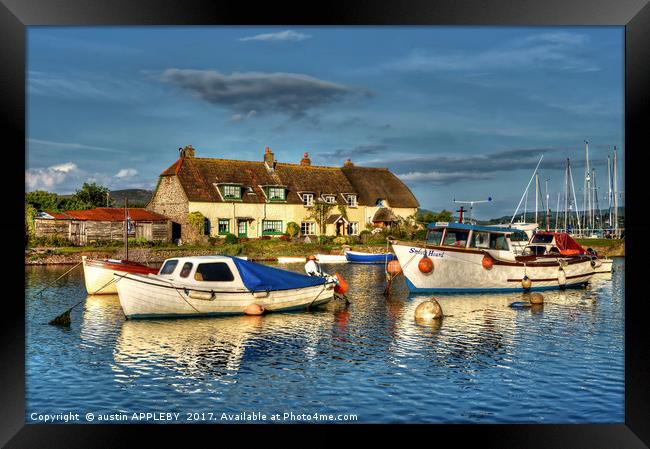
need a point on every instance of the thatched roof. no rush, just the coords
(198, 177)
(372, 184)
(385, 215)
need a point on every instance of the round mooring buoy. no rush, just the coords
(428, 310)
(536, 298)
(254, 309)
(425, 265)
(487, 262)
(526, 283)
(394, 267)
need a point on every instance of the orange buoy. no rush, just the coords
(394, 267)
(487, 262)
(425, 265)
(342, 287)
(254, 309)
(526, 283)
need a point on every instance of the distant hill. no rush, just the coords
(136, 197)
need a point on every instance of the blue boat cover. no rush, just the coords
(258, 277)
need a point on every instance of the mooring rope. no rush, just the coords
(51, 285)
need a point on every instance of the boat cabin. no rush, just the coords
(553, 244)
(201, 270)
(470, 236)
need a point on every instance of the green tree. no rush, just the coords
(319, 213)
(42, 200)
(91, 193)
(293, 229)
(30, 230)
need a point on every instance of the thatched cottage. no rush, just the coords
(257, 198)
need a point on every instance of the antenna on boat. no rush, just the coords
(471, 206)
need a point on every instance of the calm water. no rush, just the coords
(484, 363)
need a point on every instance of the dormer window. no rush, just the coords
(308, 199)
(351, 200)
(232, 192)
(277, 194)
(329, 199)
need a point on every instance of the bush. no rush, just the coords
(340, 240)
(323, 239)
(420, 235)
(231, 239)
(293, 229)
(285, 238)
(364, 236)
(50, 240)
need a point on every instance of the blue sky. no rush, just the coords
(455, 112)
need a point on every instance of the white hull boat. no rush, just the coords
(98, 273)
(469, 258)
(218, 285)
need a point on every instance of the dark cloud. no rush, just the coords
(264, 93)
(359, 152)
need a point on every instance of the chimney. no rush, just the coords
(268, 157)
(348, 163)
(305, 159)
(187, 151)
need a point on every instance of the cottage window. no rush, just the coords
(330, 199)
(214, 272)
(308, 228)
(224, 226)
(271, 227)
(231, 192)
(351, 200)
(308, 199)
(353, 228)
(276, 194)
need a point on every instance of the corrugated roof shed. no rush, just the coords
(114, 214)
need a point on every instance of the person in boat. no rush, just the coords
(312, 267)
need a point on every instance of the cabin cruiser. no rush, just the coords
(461, 257)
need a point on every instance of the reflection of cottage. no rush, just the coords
(258, 198)
(83, 226)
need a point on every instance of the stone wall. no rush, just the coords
(170, 200)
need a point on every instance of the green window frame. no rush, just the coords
(224, 226)
(271, 227)
(232, 192)
(277, 194)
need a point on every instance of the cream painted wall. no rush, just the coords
(278, 211)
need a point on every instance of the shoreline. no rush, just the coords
(64, 256)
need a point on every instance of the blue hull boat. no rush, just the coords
(357, 257)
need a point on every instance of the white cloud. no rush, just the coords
(281, 36)
(441, 178)
(47, 178)
(49, 144)
(126, 173)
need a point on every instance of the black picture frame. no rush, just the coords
(16, 15)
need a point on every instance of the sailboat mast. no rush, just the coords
(615, 192)
(596, 206)
(536, 194)
(609, 190)
(557, 210)
(548, 209)
(575, 200)
(126, 228)
(566, 194)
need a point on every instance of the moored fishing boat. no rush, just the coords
(359, 257)
(218, 285)
(460, 257)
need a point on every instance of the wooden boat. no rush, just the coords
(218, 285)
(98, 273)
(359, 257)
(460, 257)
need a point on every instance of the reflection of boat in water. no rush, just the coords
(209, 348)
(218, 285)
(359, 257)
(460, 257)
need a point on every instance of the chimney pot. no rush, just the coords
(305, 159)
(269, 159)
(348, 163)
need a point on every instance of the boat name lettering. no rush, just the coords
(430, 252)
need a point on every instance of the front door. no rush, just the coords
(242, 229)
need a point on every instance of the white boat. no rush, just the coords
(472, 258)
(98, 273)
(218, 285)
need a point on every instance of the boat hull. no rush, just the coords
(150, 297)
(461, 271)
(356, 257)
(98, 274)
